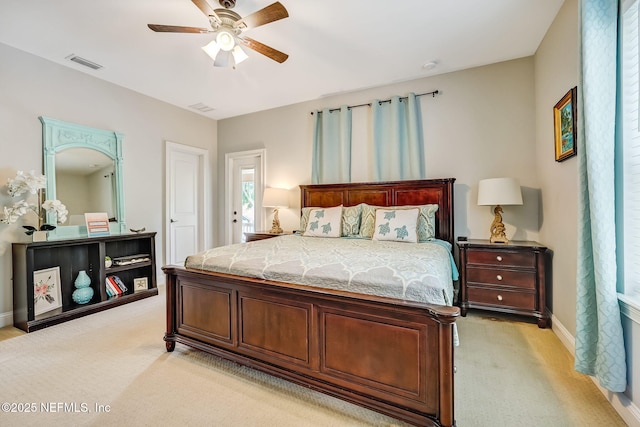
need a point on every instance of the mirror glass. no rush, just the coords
(85, 182)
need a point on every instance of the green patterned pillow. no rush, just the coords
(350, 219)
(324, 222)
(426, 220)
(398, 225)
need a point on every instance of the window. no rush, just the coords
(629, 51)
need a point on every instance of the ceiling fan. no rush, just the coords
(225, 48)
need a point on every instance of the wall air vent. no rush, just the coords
(79, 60)
(201, 107)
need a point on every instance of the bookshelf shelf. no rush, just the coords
(70, 256)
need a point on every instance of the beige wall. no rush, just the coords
(556, 71)
(32, 87)
(481, 125)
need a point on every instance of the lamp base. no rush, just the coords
(275, 225)
(497, 227)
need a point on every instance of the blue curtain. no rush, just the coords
(599, 339)
(331, 146)
(397, 139)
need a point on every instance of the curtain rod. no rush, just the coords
(432, 93)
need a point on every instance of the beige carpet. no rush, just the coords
(111, 368)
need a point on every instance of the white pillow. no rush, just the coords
(324, 222)
(399, 225)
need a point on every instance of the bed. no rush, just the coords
(388, 353)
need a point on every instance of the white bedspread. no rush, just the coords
(411, 271)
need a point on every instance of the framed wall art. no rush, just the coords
(564, 125)
(140, 284)
(47, 294)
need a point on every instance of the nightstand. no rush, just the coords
(505, 277)
(260, 235)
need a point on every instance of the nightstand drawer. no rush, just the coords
(501, 297)
(494, 276)
(501, 258)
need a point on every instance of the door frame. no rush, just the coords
(229, 159)
(203, 240)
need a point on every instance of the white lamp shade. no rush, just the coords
(212, 49)
(239, 55)
(275, 198)
(499, 191)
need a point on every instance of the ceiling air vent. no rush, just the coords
(79, 60)
(201, 107)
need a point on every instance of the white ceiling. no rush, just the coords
(333, 46)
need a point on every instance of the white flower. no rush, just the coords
(30, 183)
(26, 183)
(57, 207)
(18, 209)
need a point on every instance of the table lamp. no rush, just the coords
(499, 191)
(275, 198)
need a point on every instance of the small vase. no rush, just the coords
(39, 236)
(83, 292)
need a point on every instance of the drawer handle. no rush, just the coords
(499, 258)
(499, 277)
(499, 297)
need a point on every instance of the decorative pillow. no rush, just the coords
(426, 220)
(350, 219)
(399, 225)
(324, 222)
(304, 218)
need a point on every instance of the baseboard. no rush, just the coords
(627, 410)
(6, 319)
(564, 335)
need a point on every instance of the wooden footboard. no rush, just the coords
(391, 356)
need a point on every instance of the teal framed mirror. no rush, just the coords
(83, 167)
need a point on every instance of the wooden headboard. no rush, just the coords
(393, 193)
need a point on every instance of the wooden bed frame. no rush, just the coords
(392, 356)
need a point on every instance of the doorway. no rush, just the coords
(244, 185)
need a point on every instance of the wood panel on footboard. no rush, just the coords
(391, 356)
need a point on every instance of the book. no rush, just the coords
(120, 284)
(109, 289)
(112, 286)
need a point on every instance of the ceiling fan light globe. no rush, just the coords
(239, 55)
(212, 49)
(223, 59)
(225, 41)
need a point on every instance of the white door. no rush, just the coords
(186, 206)
(245, 183)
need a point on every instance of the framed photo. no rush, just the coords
(564, 125)
(97, 223)
(47, 294)
(140, 284)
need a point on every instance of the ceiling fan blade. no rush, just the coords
(204, 7)
(273, 12)
(267, 51)
(177, 29)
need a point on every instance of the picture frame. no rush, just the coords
(97, 224)
(47, 292)
(564, 125)
(140, 284)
